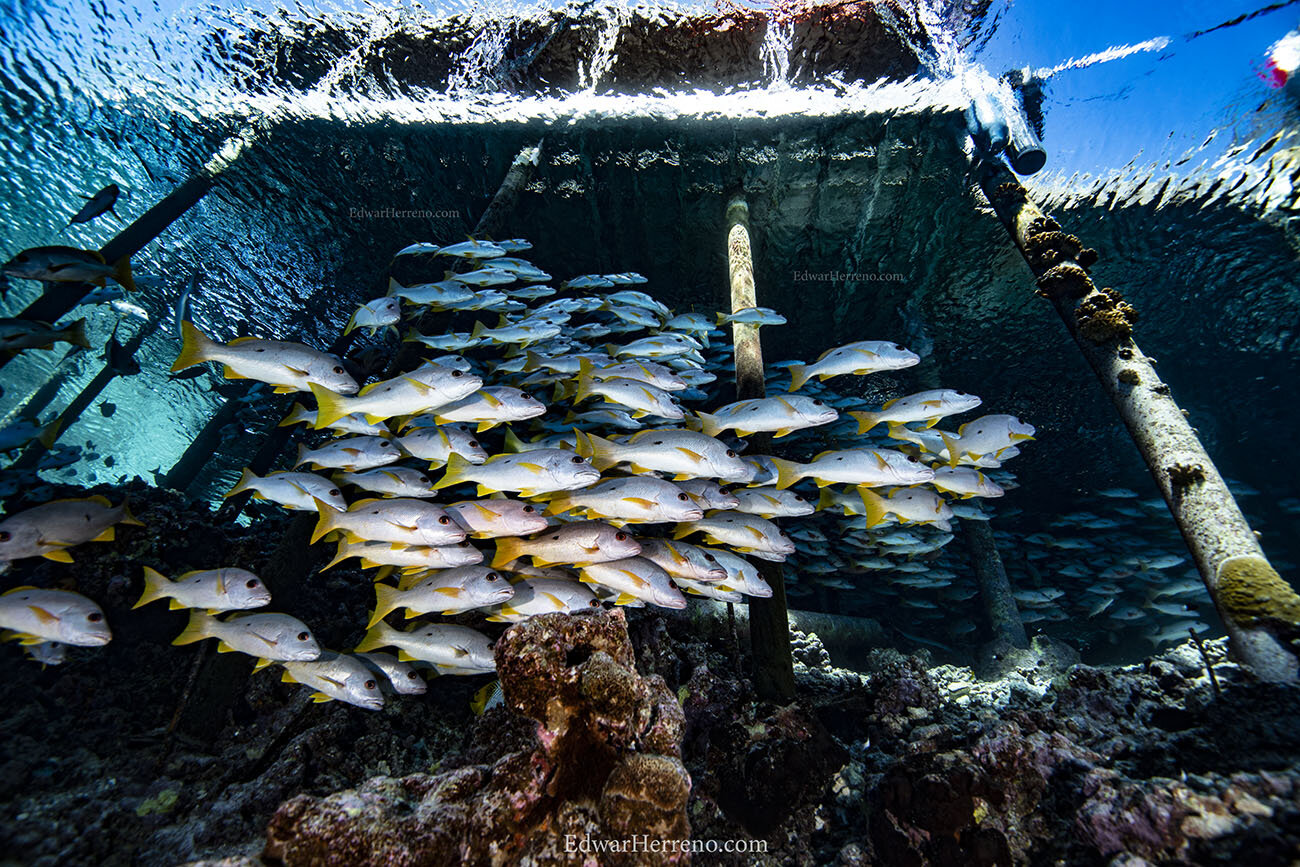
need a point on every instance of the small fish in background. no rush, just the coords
(117, 357)
(374, 315)
(35, 616)
(268, 637)
(19, 334)
(450, 648)
(47, 653)
(535, 596)
(780, 415)
(49, 529)
(295, 491)
(58, 264)
(214, 590)
(756, 316)
(927, 406)
(860, 359)
(336, 677)
(401, 677)
(100, 203)
(287, 366)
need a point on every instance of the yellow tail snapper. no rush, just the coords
(530, 473)
(213, 590)
(336, 677)
(576, 543)
(20, 334)
(402, 520)
(784, 415)
(635, 578)
(49, 529)
(493, 518)
(294, 491)
(287, 366)
(635, 499)
(683, 453)
(873, 467)
(450, 591)
(37, 616)
(927, 406)
(451, 649)
(860, 359)
(269, 637)
(749, 534)
(428, 387)
(57, 264)
(535, 596)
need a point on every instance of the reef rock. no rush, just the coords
(605, 768)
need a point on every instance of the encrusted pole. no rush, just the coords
(995, 590)
(1261, 611)
(769, 622)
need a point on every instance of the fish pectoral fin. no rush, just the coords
(624, 599)
(459, 652)
(693, 455)
(535, 469)
(453, 592)
(755, 532)
(639, 501)
(42, 615)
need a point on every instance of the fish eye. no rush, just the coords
(730, 453)
(304, 636)
(94, 617)
(385, 444)
(492, 576)
(710, 558)
(456, 373)
(620, 536)
(523, 395)
(444, 520)
(912, 459)
(473, 444)
(251, 583)
(5, 536)
(817, 403)
(337, 368)
(658, 442)
(577, 459)
(798, 498)
(425, 479)
(411, 675)
(595, 603)
(682, 497)
(334, 492)
(528, 510)
(370, 684)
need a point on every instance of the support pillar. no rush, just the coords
(1261, 611)
(769, 622)
(995, 590)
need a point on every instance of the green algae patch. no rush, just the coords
(163, 802)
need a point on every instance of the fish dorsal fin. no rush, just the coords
(880, 460)
(18, 589)
(639, 501)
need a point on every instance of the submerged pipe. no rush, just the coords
(995, 589)
(58, 299)
(769, 622)
(85, 398)
(1261, 611)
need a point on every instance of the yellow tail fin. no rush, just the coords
(710, 425)
(513, 442)
(954, 448)
(326, 522)
(156, 586)
(798, 376)
(330, 406)
(457, 466)
(199, 628)
(787, 473)
(602, 452)
(877, 507)
(386, 601)
(585, 381)
(866, 420)
(50, 434)
(196, 347)
(376, 636)
(246, 479)
(507, 551)
(342, 554)
(127, 518)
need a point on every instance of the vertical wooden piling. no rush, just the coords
(995, 589)
(1260, 610)
(769, 622)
